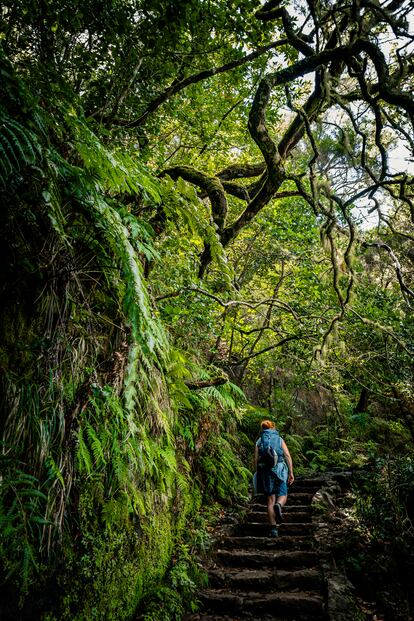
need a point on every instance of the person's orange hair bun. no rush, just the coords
(267, 424)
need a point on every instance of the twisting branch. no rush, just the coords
(315, 103)
(362, 135)
(360, 74)
(270, 11)
(304, 194)
(215, 381)
(239, 191)
(246, 192)
(399, 128)
(384, 329)
(179, 85)
(348, 250)
(252, 305)
(241, 171)
(395, 231)
(344, 299)
(301, 114)
(287, 339)
(387, 90)
(259, 132)
(212, 186)
(267, 190)
(397, 266)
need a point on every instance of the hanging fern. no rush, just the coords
(119, 446)
(22, 517)
(222, 469)
(181, 204)
(117, 171)
(84, 458)
(19, 148)
(54, 471)
(96, 447)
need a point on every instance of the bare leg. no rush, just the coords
(270, 509)
(281, 501)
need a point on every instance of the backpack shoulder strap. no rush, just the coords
(262, 442)
(279, 449)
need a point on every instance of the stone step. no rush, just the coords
(289, 508)
(205, 616)
(303, 606)
(295, 498)
(281, 559)
(262, 529)
(298, 492)
(298, 516)
(265, 580)
(309, 482)
(267, 543)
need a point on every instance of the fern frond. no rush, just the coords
(180, 202)
(118, 171)
(83, 455)
(96, 446)
(18, 148)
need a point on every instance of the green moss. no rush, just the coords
(100, 420)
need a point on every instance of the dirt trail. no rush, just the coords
(270, 579)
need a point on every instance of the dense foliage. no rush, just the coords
(202, 202)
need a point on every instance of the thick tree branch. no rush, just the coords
(259, 201)
(179, 85)
(237, 171)
(197, 385)
(252, 305)
(387, 89)
(246, 192)
(239, 191)
(211, 185)
(287, 339)
(241, 171)
(260, 134)
(397, 266)
(384, 329)
(328, 65)
(267, 13)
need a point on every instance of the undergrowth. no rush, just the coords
(377, 551)
(105, 449)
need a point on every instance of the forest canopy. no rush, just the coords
(207, 212)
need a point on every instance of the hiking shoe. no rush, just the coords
(278, 513)
(273, 533)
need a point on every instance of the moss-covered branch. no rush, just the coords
(211, 185)
(180, 84)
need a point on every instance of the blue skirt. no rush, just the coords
(266, 482)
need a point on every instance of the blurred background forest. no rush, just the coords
(206, 219)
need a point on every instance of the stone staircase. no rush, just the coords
(253, 576)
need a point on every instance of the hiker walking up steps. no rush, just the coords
(274, 471)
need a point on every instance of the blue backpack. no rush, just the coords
(270, 448)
